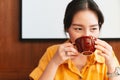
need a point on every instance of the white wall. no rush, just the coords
(44, 18)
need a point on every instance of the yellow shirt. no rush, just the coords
(95, 69)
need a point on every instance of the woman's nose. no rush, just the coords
(87, 33)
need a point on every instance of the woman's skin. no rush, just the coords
(84, 23)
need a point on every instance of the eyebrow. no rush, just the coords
(94, 25)
(77, 25)
(83, 25)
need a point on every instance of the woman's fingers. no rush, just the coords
(101, 48)
(105, 48)
(70, 51)
(64, 52)
(103, 44)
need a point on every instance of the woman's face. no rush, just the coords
(84, 23)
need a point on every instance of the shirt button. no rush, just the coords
(80, 78)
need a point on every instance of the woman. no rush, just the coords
(64, 62)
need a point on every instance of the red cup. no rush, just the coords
(85, 44)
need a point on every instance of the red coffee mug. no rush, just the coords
(85, 44)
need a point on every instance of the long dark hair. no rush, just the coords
(77, 5)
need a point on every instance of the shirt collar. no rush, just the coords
(99, 58)
(96, 58)
(93, 58)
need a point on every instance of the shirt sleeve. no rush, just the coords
(36, 73)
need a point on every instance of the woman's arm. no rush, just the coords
(110, 60)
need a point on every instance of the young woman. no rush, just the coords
(64, 62)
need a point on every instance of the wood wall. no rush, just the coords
(18, 58)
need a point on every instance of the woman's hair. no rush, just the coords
(77, 5)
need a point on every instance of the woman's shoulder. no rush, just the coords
(52, 49)
(53, 46)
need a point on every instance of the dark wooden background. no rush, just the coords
(18, 58)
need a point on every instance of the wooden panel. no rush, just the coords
(18, 58)
(116, 47)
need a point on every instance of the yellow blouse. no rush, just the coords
(95, 69)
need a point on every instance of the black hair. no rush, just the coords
(77, 5)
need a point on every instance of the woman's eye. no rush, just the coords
(78, 28)
(94, 28)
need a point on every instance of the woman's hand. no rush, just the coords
(107, 53)
(64, 52)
